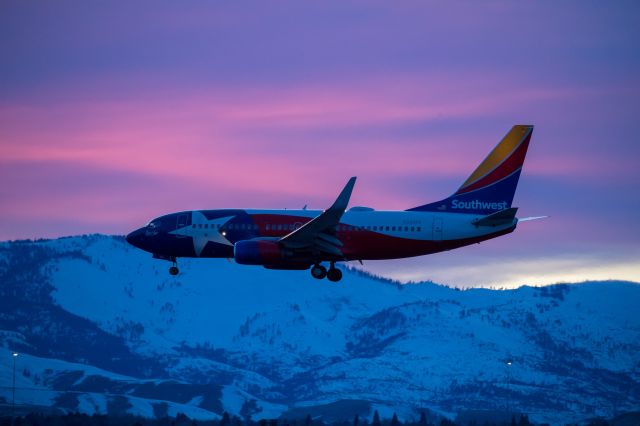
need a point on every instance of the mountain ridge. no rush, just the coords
(274, 341)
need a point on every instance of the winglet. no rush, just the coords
(343, 199)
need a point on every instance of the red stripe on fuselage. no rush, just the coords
(276, 221)
(370, 245)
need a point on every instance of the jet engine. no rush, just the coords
(258, 252)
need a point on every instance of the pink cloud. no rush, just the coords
(262, 147)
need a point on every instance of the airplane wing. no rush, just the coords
(319, 233)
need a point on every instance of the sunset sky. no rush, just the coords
(112, 113)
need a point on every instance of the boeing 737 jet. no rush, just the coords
(305, 239)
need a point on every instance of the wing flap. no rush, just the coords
(329, 239)
(327, 248)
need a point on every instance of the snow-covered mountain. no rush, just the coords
(102, 327)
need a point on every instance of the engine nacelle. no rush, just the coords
(258, 252)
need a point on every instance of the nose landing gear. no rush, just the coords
(319, 272)
(173, 270)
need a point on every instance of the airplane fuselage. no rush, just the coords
(365, 234)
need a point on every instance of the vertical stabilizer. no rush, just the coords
(492, 185)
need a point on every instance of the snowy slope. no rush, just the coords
(272, 340)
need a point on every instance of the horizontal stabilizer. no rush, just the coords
(498, 218)
(527, 219)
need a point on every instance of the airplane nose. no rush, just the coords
(135, 238)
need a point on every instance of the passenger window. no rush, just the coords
(393, 228)
(267, 227)
(418, 228)
(413, 228)
(406, 228)
(387, 228)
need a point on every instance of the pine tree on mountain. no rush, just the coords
(524, 420)
(376, 419)
(236, 421)
(356, 420)
(423, 419)
(307, 420)
(182, 420)
(394, 420)
(226, 420)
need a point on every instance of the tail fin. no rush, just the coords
(491, 187)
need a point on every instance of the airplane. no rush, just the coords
(305, 239)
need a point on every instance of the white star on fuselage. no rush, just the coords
(200, 234)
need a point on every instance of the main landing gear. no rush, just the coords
(319, 272)
(174, 268)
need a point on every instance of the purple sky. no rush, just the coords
(112, 113)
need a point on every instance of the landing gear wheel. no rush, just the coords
(334, 274)
(318, 272)
(174, 269)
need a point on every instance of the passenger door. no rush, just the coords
(437, 229)
(181, 221)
